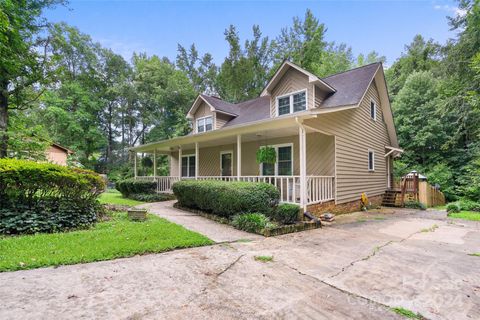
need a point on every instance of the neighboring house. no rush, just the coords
(334, 136)
(57, 154)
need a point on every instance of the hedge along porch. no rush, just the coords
(304, 171)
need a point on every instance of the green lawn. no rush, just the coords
(116, 238)
(466, 215)
(112, 196)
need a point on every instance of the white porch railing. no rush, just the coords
(319, 188)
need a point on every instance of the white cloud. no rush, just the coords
(451, 9)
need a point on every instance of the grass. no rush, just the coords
(466, 215)
(263, 258)
(116, 238)
(431, 229)
(112, 196)
(474, 254)
(407, 313)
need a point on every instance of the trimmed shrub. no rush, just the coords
(250, 222)
(453, 207)
(286, 213)
(44, 197)
(131, 186)
(227, 198)
(415, 205)
(469, 205)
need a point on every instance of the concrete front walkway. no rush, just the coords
(358, 269)
(216, 231)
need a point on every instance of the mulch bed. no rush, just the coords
(268, 232)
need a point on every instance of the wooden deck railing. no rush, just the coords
(319, 188)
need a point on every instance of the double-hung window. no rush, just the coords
(291, 103)
(188, 166)
(205, 124)
(284, 164)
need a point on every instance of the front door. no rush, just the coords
(226, 163)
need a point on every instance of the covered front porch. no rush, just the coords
(304, 171)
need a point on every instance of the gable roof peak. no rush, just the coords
(284, 67)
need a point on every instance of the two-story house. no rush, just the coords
(334, 138)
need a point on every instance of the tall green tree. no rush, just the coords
(73, 103)
(244, 72)
(164, 96)
(201, 71)
(23, 58)
(419, 55)
(114, 75)
(419, 126)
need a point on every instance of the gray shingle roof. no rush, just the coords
(251, 110)
(221, 105)
(350, 87)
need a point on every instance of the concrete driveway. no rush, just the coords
(356, 269)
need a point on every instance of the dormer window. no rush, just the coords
(373, 110)
(292, 102)
(204, 124)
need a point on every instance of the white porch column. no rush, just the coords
(135, 164)
(303, 167)
(196, 160)
(239, 156)
(180, 162)
(154, 163)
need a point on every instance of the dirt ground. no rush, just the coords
(358, 268)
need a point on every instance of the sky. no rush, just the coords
(156, 27)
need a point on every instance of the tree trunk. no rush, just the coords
(110, 138)
(3, 119)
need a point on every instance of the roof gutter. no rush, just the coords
(222, 132)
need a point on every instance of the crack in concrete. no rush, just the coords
(343, 290)
(335, 287)
(213, 282)
(229, 266)
(374, 252)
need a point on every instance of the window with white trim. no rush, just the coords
(293, 102)
(373, 110)
(188, 166)
(284, 164)
(205, 124)
(371, 160)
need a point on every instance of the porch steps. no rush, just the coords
(390, 198)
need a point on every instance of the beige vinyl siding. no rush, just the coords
(292, 81)
(221, 119)
(356, 133)
(319, 97)
(320, 156)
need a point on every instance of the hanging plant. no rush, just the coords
(266, 154)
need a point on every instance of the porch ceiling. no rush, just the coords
(259, 132)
